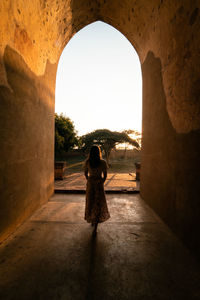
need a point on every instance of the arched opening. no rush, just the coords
(99, 86)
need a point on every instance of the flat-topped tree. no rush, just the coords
(107, 140)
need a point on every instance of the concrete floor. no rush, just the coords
(134, 256)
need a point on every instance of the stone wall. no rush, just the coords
(165, 34)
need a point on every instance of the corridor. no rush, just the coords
(134, 256)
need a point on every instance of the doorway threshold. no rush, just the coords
(64, 191)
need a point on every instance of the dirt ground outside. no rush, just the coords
(121, 176)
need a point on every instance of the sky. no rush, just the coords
(99, 82)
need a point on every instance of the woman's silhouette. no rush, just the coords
(96, 210)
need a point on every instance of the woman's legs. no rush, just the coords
(95, 229)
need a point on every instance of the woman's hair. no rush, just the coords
(94, 156)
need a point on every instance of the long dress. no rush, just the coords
(96, 210)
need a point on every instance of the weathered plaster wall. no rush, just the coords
(27, 81)
(26, 139)
(170, 161)
(165, 34)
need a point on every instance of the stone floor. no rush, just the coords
(134, 255)
(114, 182)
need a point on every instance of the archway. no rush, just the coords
(99, 86)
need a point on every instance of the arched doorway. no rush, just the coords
(99, 86)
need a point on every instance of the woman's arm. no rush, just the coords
(86, 174)
(104, 171)
(104, 175)
(86, 170)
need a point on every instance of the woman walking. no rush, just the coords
(96, 210)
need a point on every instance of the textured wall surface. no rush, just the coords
(170, 161)
(26, 139)
(165, 34)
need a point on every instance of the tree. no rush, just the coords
(136, 134)
(107, 140)
(65, 134)
(59, 141)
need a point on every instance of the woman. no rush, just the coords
(96, 210)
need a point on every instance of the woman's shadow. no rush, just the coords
(96, 278)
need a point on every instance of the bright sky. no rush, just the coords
(99, 82)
